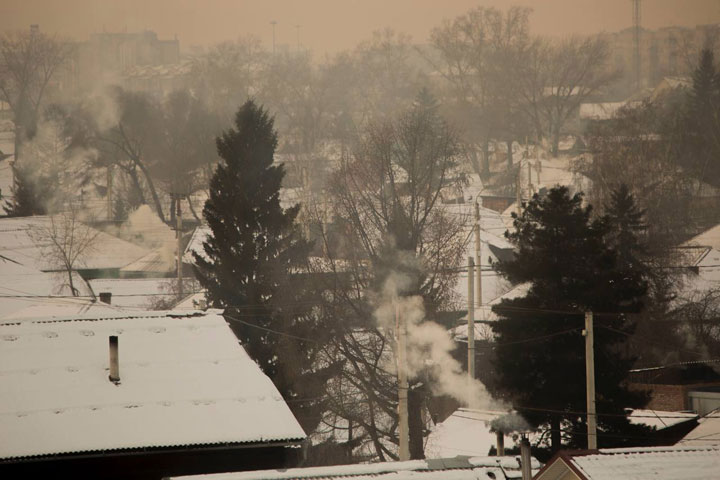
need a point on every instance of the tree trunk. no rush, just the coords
(555, 436)
(153, 192)
(509, 155)
(136, 183)
(415, 423)
(173, 199)
(486, 158)
(555, 140)
(192, 209)
(74, 292)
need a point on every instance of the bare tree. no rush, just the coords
(387, 206)
(28, 63)
(560, 75)
(66, 241)
(480, 55)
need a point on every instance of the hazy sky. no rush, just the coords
(328, 25)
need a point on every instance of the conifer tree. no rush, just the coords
(253, 262)
(27, 199)
(540, 358)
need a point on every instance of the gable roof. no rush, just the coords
(185, 380)
(651, 463)
(16, 243)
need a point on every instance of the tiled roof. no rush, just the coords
(185, 380)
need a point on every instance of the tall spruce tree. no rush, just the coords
(253, 262)
(540, 357)
(701, 139)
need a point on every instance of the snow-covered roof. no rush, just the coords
(134, 292)
(185, 380)
(659, 419)
(195, 244)
(61, 308)
(458, 468)
(465, 432)
(651, 463)
(21, 286)
(16, 243)
(708, 238)
(600, 111)
(706, 433)
(157, 261)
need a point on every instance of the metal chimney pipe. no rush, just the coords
(114, 359)
(106, 297)
(525, 459)
(500, 436)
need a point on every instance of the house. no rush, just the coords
(184, 398)
(21, 244)
(457, 468)
(651, 463)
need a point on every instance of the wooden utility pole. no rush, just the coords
(178, 234)
(478, 259)
(471, 319)
(518, 188)
(590, 380)
(108, 181)
(403, 427)
(530, 187)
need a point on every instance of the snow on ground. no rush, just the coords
(185, 380)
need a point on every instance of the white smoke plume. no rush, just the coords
(143, 227)
(429, 345)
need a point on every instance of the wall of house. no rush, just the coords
(153, 464)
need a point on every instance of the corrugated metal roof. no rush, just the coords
(653, 463)
(457, 468)
(185, 380)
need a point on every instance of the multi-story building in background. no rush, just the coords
(665, 52)
(115, 58)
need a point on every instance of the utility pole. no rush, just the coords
(471, 320)
(273, 23)
(590, 379)
(403, 427)
(178, 234)
(518, 188)
(636, 42)
(108, 181)
(478, 259)
(530, 187)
